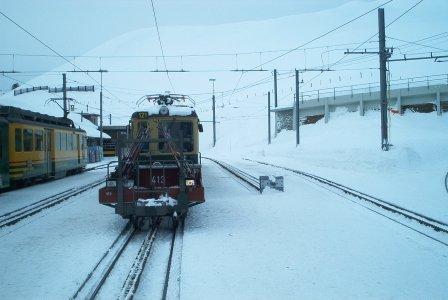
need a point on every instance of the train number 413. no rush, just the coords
(160, 179)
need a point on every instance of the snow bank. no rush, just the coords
(347, 150)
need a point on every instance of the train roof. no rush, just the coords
(11, 113)
(173, 110)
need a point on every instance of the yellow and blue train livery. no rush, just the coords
(37, 146)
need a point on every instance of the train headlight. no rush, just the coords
(129, 183)
(164, 110)
(189, 182)
(111, 183)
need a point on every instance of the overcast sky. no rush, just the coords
(75, 26)
(85, 24)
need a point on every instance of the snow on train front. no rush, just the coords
(159, 164)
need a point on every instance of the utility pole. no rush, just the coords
(269, 117)
(275, 101)
(64, 94)
(64, 89)
(101, 71)
(297, 109)
(214, 121)
(275, 88)
(110, 119)
(384, 55)
(212, 80)
(101, 110)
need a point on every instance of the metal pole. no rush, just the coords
(297, 102)
(269, 117)
(101, 110)
(275, 88)
(383, 79)
(214, 122)
(64, 94)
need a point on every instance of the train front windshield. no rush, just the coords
(174, 132)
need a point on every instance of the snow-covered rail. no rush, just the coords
(244, 176)
(96, 278)
(434, 224)
(94, 282)
(133, 279)
(100, 167)
(178, 230)
(19, 214)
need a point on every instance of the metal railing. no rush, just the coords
(370, 88)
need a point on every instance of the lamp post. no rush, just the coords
(212, 80)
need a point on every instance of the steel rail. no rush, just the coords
(433, 223)
(90, 288)
(99, 167)
(170, 258)
(17, 215)
(133, 278)
(246, 177)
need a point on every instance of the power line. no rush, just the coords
(323, 35)
(53, 50)
(15, 79)
(417, 44)
(160, 43)
(177, 55)
(371, 37)
(313, 40)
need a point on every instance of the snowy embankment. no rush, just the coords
(347, 150)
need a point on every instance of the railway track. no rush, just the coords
(249, 179)
(92, 284)
(99, 167)
(96, 279)
(24, 212)
(436, 225)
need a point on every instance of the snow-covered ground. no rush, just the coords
(304, 243)
(347, 150)
(47, 256)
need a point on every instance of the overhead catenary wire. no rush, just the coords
(417, 44)
(54, 51)
(160, 44)
(323, 35)
(371, 37)
(311, 41)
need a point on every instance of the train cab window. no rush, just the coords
(18, 139)
(142, 127)
(38, 140)
(176, 131)
(28, 140)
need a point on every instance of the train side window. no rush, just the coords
(38, 140)
(18, 139)
(63, 141)
(27, 140)
(58, 141)
(73, 142)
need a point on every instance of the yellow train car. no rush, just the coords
(39, 146)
